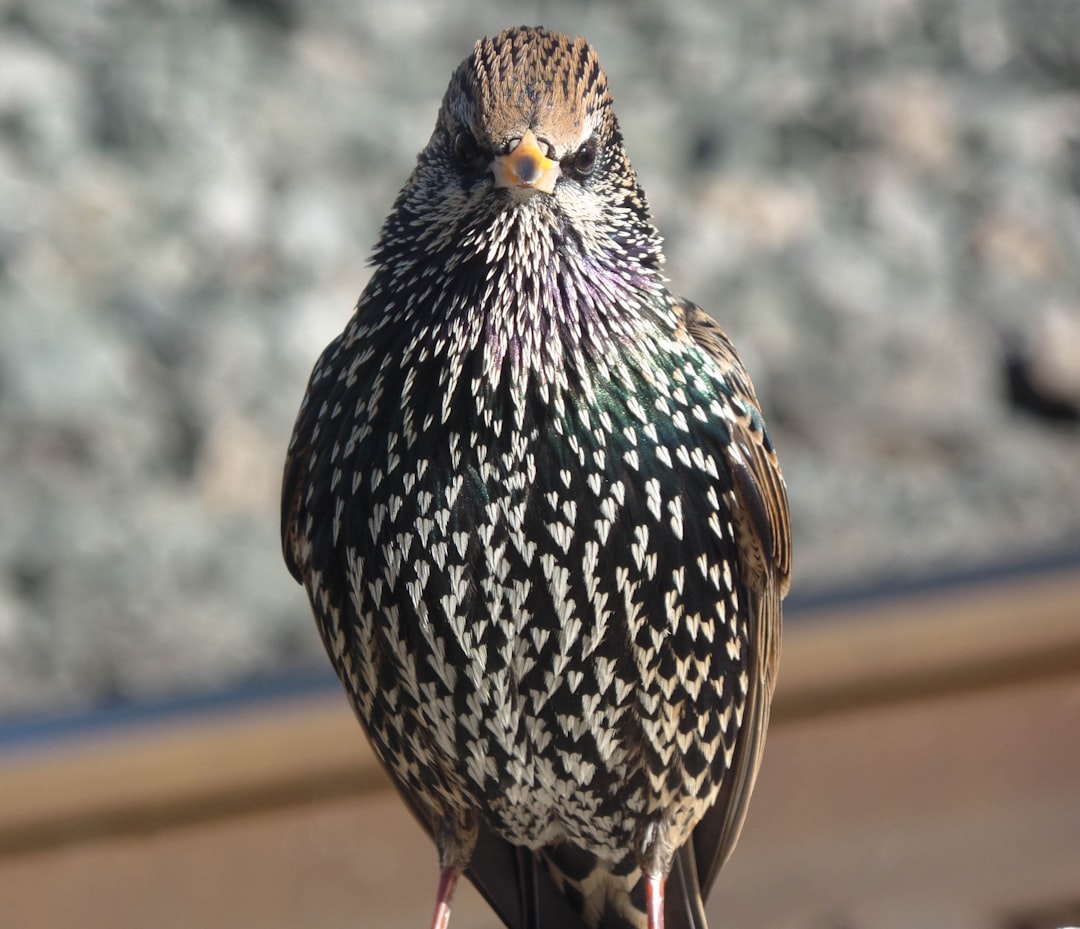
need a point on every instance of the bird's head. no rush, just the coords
(526, 148)
(529, 109)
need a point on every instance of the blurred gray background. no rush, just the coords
(877, 198)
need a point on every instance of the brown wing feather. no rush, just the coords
(765, 535)
(767, 503)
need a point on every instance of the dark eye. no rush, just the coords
(582, 162)
(467, 151)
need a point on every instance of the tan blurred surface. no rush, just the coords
(957, 811)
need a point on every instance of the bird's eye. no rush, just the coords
(467, 150)
(582, 162)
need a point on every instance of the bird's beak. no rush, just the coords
(526, 166)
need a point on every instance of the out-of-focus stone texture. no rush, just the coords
(877, 199)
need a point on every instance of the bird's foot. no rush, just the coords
(447, 883)
(654, 900)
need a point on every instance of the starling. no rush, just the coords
(539, 519)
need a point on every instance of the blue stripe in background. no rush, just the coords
(35, 731)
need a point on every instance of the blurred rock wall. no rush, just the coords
(878, 198)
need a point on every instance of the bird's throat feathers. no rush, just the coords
(527, 292)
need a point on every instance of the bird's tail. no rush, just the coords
(613, 896)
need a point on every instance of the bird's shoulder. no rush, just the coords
(763, 516)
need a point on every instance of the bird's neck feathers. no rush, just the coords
(529, 287)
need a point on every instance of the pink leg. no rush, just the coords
(654, 900)
(447, 883)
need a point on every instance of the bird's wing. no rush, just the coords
(764, 531)
(296, 519)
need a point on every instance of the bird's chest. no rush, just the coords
(546, 598)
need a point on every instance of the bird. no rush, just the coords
(539, 518)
